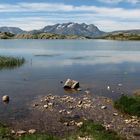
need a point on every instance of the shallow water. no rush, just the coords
(96, 64)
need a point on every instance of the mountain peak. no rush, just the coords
(72, 28)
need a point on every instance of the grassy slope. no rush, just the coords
(46, 36)
(38, 36)
(121, 36)
(129, 104)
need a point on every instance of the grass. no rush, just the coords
(89, 129)
(10, 62)
(38, 137)
(129, 104)
(5, 133)
(98, 132)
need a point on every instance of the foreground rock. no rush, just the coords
(71, 84)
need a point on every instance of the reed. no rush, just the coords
(10, 62)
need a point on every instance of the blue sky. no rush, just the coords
(108, 15)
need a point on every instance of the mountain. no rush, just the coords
(13, 30)
(75, 30)
(62, 29)
(71, 29)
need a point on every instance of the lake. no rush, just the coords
(96, 64)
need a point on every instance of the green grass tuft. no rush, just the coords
(129, 104)
(98, 132)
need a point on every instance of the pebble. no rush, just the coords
(87, 106)
(5, 98)
(71, 107)
(108, 87)
(107, 127)
(50, 104)
(80, 102)
(66, 123)
(84, 138)
(79, 89)
(35, 105)
(79, 124)
(72, 123)
(87, 91)
(32, 131)
(119, 85)
(127, 121)
(103, 107)
(69, 112)
(52, 98)
(45, 106)
(21, 132)
(13, 132)
(134, 117)
(61, 111)
(46, 100)
(115, 114)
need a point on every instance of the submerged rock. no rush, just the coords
(5, 98)
(71, 84)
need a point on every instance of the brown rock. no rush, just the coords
(71, 84)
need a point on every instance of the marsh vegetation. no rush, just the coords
(10, 62)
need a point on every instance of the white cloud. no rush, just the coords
(35, 7)
(106, 18)
(48, 7)
(119, 1)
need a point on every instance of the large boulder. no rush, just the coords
(71, 84)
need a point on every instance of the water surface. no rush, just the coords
(96, 64)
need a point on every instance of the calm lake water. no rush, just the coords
(96, 64)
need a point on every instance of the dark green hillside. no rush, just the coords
(121, 36)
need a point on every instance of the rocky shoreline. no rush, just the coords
(62, 115)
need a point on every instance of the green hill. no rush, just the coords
(6, 35)
(121, 36)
